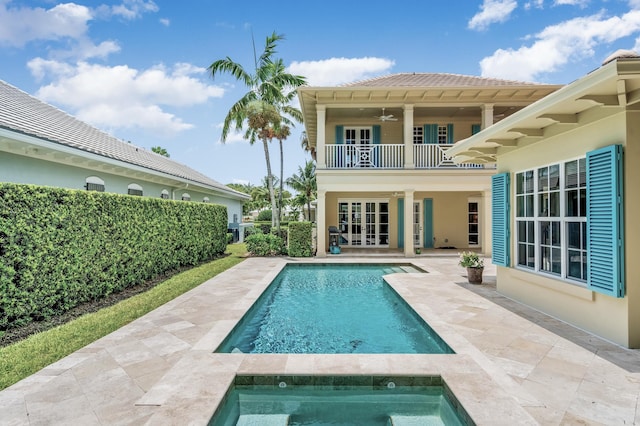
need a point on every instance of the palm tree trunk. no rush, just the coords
(309, 209)
(272, 195)
(281, 183)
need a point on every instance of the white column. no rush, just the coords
(321, 223)
(485, 225)
(408, 137)
(321, 114)
(487, 115)
(408, 223)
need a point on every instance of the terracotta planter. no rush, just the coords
(474, 275)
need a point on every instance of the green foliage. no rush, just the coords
(229, 238)
(60, 247)
(469, 259)
(28, 356)
(300, 239)
(259, 244)
(264, 215)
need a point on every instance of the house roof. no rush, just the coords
(605, 91)
(450, 94)
(27, 115)
(434, 80)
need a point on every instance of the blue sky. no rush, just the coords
(138, 68)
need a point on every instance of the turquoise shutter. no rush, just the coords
(339, 135)
(450, 133)
(500, 219)
(475, 128)
(605, 221)
(430, 133)
(428, 223)
(400, 222)
(376, 134)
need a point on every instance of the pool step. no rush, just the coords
(263, 420)
(415, 421)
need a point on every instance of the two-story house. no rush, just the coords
(383, 174)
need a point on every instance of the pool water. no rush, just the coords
(333, 309)
(285, 404)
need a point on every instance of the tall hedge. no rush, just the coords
(60, 247)
(300, 239)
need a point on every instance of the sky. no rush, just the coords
(137, 69)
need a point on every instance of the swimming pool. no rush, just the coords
(339, 400)
(333, 308)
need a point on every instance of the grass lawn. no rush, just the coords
(28, 356)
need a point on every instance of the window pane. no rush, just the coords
(573, 235)
(572, 203)
(520, 183)
(531, 256)
(522, 231)
(571, 174)
(528, 181)
(520, 206)
(473, 207)
(554, 204)
(529, 205)
(473, 228)
(531, 232)
(554, 177)
(556, 262)
(555, 233)
(522, 254)
(543, 205)
(543, 179)
(545, 233)
(584, 235)
(473, 239)
(583, 203)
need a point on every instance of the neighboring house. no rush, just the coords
(42, 145)
(566, 200)
(383, 174)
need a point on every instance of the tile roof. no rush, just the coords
(21, 112)
(434, 80)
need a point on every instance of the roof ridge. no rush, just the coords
(396, 76)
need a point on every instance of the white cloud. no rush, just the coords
(20, 25)
(129, 9)
(538, 4)
(123, 97)
(581, 3)
(492, 11)
(557, 45)
(234, 135)
(164, 21)
(334, 71)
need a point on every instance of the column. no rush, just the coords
(321, 224)
(487, 115)
(321, 114)
(408, 137)
(485, 223)
(408, 223)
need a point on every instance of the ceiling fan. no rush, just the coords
(383, 117)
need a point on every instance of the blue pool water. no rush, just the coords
(333, 309)
(299, 401)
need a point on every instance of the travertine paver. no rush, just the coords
(512, 365)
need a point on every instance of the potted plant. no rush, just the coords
(418, 250)
(474, 265)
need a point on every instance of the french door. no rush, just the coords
(417, 224)
(364, 223)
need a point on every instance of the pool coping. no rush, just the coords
(205, 376)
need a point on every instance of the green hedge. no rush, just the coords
(60, 247)
(300, 239)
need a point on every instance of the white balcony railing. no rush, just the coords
(390, 156)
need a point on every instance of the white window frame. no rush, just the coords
(442, 135)
(540, 198)
(418, 135)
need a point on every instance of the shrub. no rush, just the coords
(264, 215)
(60, 247)
(229, 238)
(259, 244)
(300, 239)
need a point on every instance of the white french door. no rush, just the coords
(364, 223)
(417, 224)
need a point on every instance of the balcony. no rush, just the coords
(390, 156)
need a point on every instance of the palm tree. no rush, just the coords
(268, 87)
(304, 182)
(160, 150)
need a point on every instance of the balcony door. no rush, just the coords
(359, 146)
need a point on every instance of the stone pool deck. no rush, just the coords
(513, 365)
